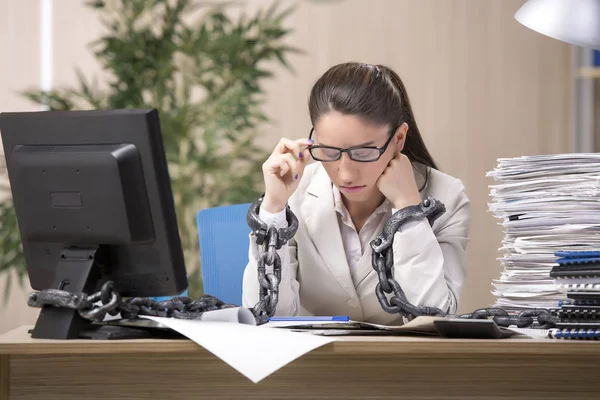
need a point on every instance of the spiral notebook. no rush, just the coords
(579, 302)
(580, 310)
(577, 254)
(586, 270)
(577, 334)
(577, 261)
(580, 287)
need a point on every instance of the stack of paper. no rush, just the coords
(545, 204)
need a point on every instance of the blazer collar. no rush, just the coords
(322, 224)
(320, 185)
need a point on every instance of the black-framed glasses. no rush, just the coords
(356, 153)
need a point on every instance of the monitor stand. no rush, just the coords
(77, 271)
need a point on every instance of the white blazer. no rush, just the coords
(429, 261)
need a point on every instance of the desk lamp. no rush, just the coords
(572, 21)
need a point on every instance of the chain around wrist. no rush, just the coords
(271, 240)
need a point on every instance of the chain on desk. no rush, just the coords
(273, 239)
(111, 303)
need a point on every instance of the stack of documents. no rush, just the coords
(545, 204)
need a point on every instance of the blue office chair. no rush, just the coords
(223, 236)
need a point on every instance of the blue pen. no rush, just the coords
(311, 319)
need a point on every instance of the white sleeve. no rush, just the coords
(269, 218)
(431, 268)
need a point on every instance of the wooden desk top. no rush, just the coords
(19, 342)
(349, 368)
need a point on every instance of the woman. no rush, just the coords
(370, 162)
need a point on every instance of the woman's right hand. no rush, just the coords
(282, 172)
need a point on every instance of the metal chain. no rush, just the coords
(180, 306)
(382, 261)
(176, 307)
(526, 318)
(271, 239)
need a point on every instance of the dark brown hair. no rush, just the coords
(373, 92)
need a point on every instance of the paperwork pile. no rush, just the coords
(546, 204)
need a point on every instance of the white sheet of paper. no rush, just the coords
(238, 315)
(534, 333)
(419, 324)
(306, 323)
(243, 346)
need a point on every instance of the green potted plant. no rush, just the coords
(204, 75)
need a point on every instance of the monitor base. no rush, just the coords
(77, 271)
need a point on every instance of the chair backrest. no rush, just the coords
(223, 236)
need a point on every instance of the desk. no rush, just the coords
(357, 367)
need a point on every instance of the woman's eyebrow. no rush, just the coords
(370, 142)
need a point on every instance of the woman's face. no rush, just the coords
(357, 181)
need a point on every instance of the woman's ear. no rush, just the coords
(401, 133)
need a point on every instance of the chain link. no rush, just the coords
(111, 303)
(382, 261)
(271, 239)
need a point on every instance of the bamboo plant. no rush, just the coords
(203, 70)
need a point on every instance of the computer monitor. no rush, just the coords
(93, 199)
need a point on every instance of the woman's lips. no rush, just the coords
(352, 189)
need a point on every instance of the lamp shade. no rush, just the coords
(573, 21)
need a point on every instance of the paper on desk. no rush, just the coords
(530, 332)
(254, 352)
(420, 324)
(239, 315)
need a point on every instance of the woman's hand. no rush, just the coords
(282, 172)
(397, 183)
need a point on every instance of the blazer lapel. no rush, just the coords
(364, 264)
(322, 224)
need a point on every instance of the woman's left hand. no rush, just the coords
(397, 183)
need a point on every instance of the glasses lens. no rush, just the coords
(324, 153)
(364, 154)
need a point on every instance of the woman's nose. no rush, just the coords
(347, 169)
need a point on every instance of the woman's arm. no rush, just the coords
(289, 287)
(431, 267)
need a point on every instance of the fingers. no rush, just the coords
(292, 146)
(297, 154)
(304, 156)
(398, 153)
(398, 156)
(287, 164)
(281, 165)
